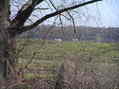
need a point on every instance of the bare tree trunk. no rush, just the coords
(3, 51)
(7, 53)
(5, 41)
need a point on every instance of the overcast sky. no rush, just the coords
(105, 13)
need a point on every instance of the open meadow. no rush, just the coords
(48, 64)
(47, 55)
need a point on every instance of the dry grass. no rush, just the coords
(77, 65)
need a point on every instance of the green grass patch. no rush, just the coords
(50, 54)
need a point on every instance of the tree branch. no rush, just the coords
(25, 12)
(29, 27)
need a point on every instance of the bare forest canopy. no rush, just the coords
(68, 34)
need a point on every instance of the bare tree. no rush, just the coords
(12, 27)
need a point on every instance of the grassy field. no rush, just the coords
(40, 54)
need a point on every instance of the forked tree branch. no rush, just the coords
(25, 12)
(44, 18)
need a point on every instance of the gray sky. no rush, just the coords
(107, 12)
(104, 13)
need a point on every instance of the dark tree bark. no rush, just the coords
(6, 42)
